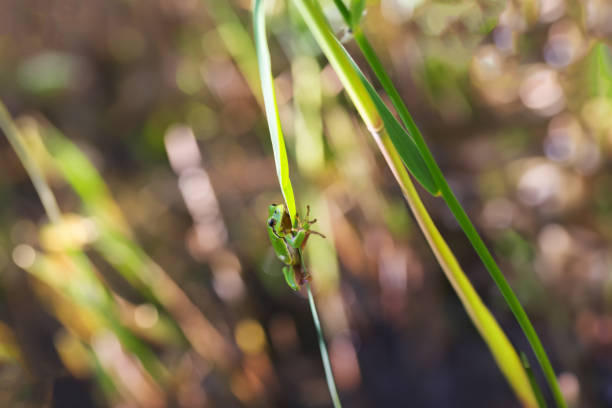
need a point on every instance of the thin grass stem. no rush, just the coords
(504, 352)
(462, 218)
(533, 382)
(38, 180)
(329, 375)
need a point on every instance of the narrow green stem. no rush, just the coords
(322, 33)
(329, 376)
(461, 216)
(534, 384)
(506, 290)
(344, 11)
(38, 180)
(503, 352)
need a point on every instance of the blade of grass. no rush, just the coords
(501, 348)
(238, 43)
(119, 248)
(357, 9)
(271, 107)
(282, 167)
(102, 302)
(461, 216)
(371, 108)
(84, 290)
(533, 382)
(401, 140)
(42, 188)
(329, 375)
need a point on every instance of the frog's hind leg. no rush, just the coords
(289, 274)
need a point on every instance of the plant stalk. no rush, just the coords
(500, 346)
(38, 180)
(329, 375)
(462, 218)
(502, 350)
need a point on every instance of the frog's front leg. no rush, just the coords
(298, 239)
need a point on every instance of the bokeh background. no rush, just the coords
(159, 287)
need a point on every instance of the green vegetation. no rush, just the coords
(144, 263)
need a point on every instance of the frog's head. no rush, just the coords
(278, 218)
(275, 215)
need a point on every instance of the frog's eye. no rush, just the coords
(271, 222)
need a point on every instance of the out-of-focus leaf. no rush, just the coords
(442, 17)
(599, 71)
(74, 277)
(357, 8)
(84, 178)
(48, 72)
(115, 243)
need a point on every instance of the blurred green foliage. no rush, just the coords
(158, 287)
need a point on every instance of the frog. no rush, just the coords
(288, 240)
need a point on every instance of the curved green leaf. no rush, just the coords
(267, 86)
(533, 382)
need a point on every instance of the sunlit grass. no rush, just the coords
(409, 149)
(454, 205)
(77, 292)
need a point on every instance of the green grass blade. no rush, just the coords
(78, 170)
(506, 290)
(599, 69)
(118, 247)
(324, 355)
(86, 292)
(271, 107)
(532, 381)
(357, 8)
(38, 180)
(363, 94)
(462, 218)
(344, 11)
(237, 41)
(402, 141)
(498, 343)
(507, 357)
(336, 55)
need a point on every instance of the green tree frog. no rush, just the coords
(288, 242)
